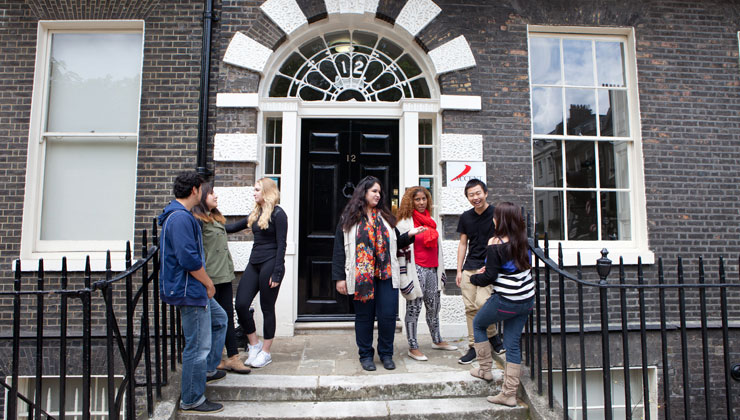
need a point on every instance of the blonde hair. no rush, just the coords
(270, 198)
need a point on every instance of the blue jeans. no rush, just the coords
(514, 315)
(385, 308)
(204, 328)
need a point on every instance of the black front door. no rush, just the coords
(335, 155)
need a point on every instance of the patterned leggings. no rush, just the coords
(428, 281)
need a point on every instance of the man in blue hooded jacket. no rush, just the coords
(183, 282)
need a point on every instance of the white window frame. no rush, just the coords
(98, 395)
(617, 373)
(637, 246)
(32, 248)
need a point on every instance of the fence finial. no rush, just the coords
(604, 265)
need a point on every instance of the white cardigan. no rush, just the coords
(350, 245)
(406, 225)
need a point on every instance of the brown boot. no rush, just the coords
(507, 396)
(483, 351)
(234, 364)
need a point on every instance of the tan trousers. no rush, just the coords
(474, 298)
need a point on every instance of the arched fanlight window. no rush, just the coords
(350, 65)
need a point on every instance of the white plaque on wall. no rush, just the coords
(459, 173)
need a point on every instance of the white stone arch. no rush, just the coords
(250, 54)
(339, 22)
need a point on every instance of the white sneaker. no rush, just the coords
(253, 352)
(263, 359)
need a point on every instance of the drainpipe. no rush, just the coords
(205, 76)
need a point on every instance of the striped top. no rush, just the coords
(507, 280)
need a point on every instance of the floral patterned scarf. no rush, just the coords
(372, 255)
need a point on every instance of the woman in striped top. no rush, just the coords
(508, 270)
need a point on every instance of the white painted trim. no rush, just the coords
(346, 7)
(31, 248)
(235, 147)
(416, 15)
(235, 201)
(452, 55)
(591, 252)
(461, 147)
(237, 100)
(460, 102)
(409, 145)
(286, 14)
(245, 52)
(452, 201)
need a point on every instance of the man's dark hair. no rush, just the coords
(185, 182)
(474, 183)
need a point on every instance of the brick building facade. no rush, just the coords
(664, 124)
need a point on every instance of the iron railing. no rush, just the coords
(570, 297)
(132, 348)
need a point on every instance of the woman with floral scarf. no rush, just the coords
(365, 266)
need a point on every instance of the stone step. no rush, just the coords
(462, 408)
(403, 386)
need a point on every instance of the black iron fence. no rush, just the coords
(143, 358)
(718, 366)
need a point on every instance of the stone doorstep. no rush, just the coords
(403, 386)
(433, 409)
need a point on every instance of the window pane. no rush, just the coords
(89, 189)
(547, 108)
(292, 64)
(427, 183)
(548, 154)
(278, 160)
(578, 61)
(269, 160)
(581, 107)
(425, 132)
(94, 83)
(615, 216)
(582, 222)
(426, 166)
(610, 63)
(613, 166)
(420, 88)
(390, 48)
(580, 164)
(614, 117)
(366, 39)
(274, 131)
(549, 214)
(545, 59)
(280, 86)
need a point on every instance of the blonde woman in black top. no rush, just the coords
(265, 270)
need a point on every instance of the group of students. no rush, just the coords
(196, 274)
(373, 248)
(375, 255)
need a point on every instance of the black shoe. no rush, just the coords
(368, 364)
(220, 374)
(388, 363)
(468, 357)
(496, 344)
(205, 407)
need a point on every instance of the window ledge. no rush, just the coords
(590, 255)
(75, 263)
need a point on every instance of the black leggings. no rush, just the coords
(225, 297)
(256, 278)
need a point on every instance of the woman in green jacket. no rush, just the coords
(220, 267)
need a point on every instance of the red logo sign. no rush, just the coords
(460, 175)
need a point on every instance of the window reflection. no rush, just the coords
(549, 214)
(545, 59)
(548, 156)
(578, 62)
(547, 110)
(592, 202)
(580, 167)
